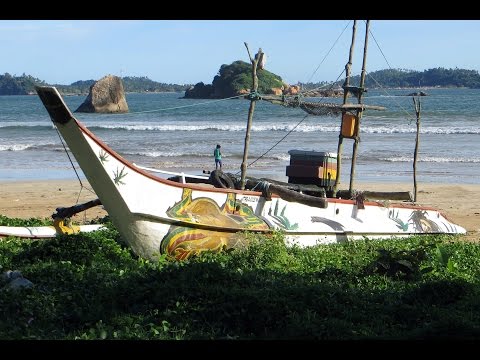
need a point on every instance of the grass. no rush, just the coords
(88, 286)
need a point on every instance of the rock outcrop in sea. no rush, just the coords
(418, 93)
(235, 80)
(107, 95)
(202, 91)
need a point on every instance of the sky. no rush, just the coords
(191, 51)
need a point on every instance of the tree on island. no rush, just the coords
(18, 85)
(235, 79)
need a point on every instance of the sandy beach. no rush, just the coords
(39, 199)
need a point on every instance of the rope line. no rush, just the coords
(381, 87)
(371, 33)
(73, 166)
(278, 142)
(335, 43)
(409, 115)
(297, 102)
(184, 106)
(322, 86)
(283, 138)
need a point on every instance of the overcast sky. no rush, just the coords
(190, 51)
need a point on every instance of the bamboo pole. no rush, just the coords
(379, 195)
(417, 141)
(359, 111)
(348, 69)
(253, 99)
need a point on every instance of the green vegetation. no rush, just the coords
(18, 85)
(237, 76)
(430, 78)
(25, 84)
(88, 286)
(130, 84)
(144, 84)
(392, 78)
(234, 79)
(6, 221)
(78, 87)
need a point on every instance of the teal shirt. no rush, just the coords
(217, 154)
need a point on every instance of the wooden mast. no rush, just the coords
(348, 69)
(417, 141)
(360, 110)
(358, 92)
(253, 98)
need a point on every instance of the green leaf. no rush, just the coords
(442, 255)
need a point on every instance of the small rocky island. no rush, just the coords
(418, 93)
(235, 79)
(107, 95)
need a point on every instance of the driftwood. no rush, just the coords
(253, 184)
(287, 191)
(66, 212)
(388, 195)
(295, 196)
(378, 195)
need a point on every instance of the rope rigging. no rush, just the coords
(409, 115)
(315, 108)
(184, 106)
(335, 43)
(76, 173)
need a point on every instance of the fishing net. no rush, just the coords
(321, 109)
(313, 108)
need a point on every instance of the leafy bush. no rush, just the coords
(89, 286)
(238, 76)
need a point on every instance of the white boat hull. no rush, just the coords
(44, 232)
(155, 215)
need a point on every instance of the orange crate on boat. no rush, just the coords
(348, 125)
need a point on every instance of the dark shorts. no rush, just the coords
(218, 161)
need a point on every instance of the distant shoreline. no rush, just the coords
(179, 92)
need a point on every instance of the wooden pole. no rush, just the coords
(348, 69)
(253, 99)
(63, 212)
(359, 111)
(417, 141)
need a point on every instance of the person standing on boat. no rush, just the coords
(218, 157)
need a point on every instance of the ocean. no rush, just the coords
(164, 131)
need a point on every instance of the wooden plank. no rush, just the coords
(378, 195)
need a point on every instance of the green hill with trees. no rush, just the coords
(25, 85)
(18, 85)
(402, 78)
(234, 78)
(237, 76)
(137, 84)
